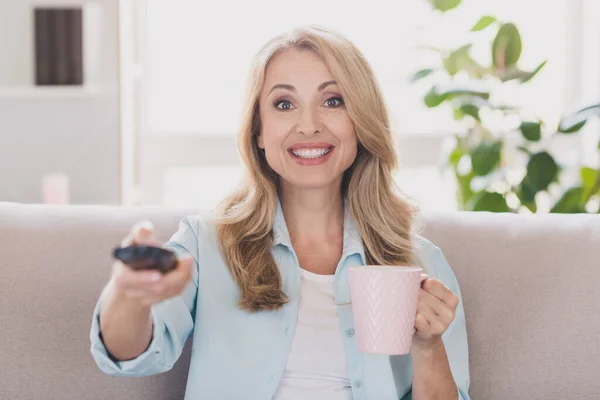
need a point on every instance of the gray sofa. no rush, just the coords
(530, 285)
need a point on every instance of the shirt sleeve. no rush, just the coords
(173, 319)
(455, 337)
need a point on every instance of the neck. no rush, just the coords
(312, 215)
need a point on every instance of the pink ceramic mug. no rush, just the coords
(384, 304)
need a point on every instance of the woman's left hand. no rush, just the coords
(435, 312)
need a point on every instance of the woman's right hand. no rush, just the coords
(149, 287)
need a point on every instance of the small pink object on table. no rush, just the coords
(55, 189)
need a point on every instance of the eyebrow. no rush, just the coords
(293, 89)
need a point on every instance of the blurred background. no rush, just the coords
(138, 102)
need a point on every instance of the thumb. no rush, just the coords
(143, 233)
(187, 263)
(185, 268)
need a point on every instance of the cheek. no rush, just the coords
(341, 125)
(273, 130)
(271, 137)
(344, 130)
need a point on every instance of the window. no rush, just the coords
(196, 56)
(198, 53)
(588, 80)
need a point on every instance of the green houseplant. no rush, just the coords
(489, 176)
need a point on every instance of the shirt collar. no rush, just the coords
(352, 239)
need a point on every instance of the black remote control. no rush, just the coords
(140, 257)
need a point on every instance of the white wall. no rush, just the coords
(58, 131)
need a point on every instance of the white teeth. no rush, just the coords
(310, 153)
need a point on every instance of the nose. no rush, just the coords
(309, 123)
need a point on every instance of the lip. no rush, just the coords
(321, 145)
(311, 161)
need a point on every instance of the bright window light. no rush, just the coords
(198, 54)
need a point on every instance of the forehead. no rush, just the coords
(295, 67)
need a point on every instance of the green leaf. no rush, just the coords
(445, 5)
(541, 171)
(532, 131)
(465, 193)
(507, 46)
(489, 201)
(455, 90)
(589, 178)
(503, 107)
(433, 99)
(529, 75)
(574, 122)
(524, 150)
(457, 60)
(458, 114)
(570, 202)
(531, 206)
(526, 193)
(508, 74)
(511, 73)
(467, 109)
(438, 94)
(456, 155)
(483, 23)
(471, 110)
(588, 111)
(564, 127)
(421, 74)
(485, 157)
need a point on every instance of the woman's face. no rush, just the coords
(307, 135)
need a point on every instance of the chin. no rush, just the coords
(313, 182)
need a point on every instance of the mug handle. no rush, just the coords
(423, 278)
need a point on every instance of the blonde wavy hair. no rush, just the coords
(384, 219)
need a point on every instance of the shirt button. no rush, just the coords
(358, 384)
(350, 332)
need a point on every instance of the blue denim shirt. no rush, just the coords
(242, 355)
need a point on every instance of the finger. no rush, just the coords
(437, 327)
(443, 310)
(439, 290)
(426, 311)
(127, 278)
(142, 238)
(149, 293)
(422, 326)
(174, 282)
(181, 275)
(141, 233)
(143, 230)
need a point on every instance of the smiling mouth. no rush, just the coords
(309, 154)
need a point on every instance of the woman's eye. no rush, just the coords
(283, 105)
(334, 102)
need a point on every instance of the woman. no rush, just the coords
(264, 285)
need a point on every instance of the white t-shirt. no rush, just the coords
(316, 367)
